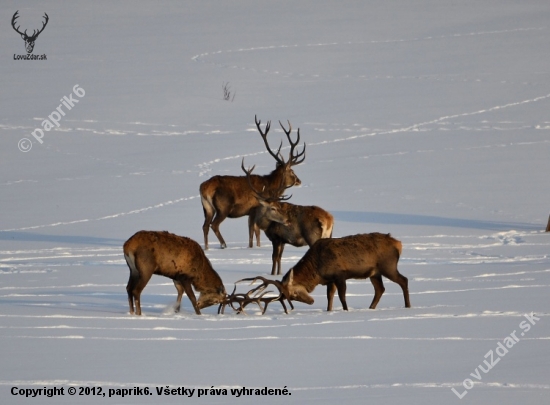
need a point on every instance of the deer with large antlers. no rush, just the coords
(331, 262)
(29, 39)
(231, 197)
(176, 257)
(284, 223)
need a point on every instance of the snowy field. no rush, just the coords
(426, 119)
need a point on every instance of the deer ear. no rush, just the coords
(23, 36)
(290, 276)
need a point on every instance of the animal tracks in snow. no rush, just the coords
(221, 58)
(205, 167)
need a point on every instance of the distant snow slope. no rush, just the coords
(425, 119)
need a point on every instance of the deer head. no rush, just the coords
(29, 39)
(294, 157)
(270, 205)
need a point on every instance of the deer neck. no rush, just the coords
(260, 219)
(208, 280)
(305, 274)
(274, 179)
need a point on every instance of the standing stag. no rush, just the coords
(284, 223)
(176, 257)
(331, 262)
(231, 196)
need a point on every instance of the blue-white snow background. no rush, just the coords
(426, 119)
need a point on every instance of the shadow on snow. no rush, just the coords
(429, 220)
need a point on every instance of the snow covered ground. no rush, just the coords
(426, 119)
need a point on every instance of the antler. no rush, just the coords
(256, 295)
(15, 17)
(43, 26)
(265, 282)
(34, 33)
(294, 159)
(275, 195)
(278, 157)
(243, 299)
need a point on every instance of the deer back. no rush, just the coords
(307, 224)
(233, 195)
(357, 256)
(173, 256)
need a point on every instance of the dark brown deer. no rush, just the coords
(29, 39)
(331, 262)
(284, 222)
(176, 257)
(231, 196)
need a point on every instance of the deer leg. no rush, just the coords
(276, 257)
(189, 291)
(132, 281)
(257, 232)
(218, 219)
(341, 286)
(253, 229)
(129, 289)
(208, 210)
(136, 283)
(403, 282)
(138, 288)
(280, 257)
(180, 289)
(205, 229)
(331, 289)
(378, 290)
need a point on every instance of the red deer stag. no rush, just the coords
(176, 257)
(300, 225)
(331, 262)
(230, 196)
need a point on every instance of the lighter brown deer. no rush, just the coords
(176, 257)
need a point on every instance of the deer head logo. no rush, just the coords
(29, 39)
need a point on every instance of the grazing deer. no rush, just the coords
(284, 223)
(331, 262)
(29, 40)
(230, 196)
(176, 257)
